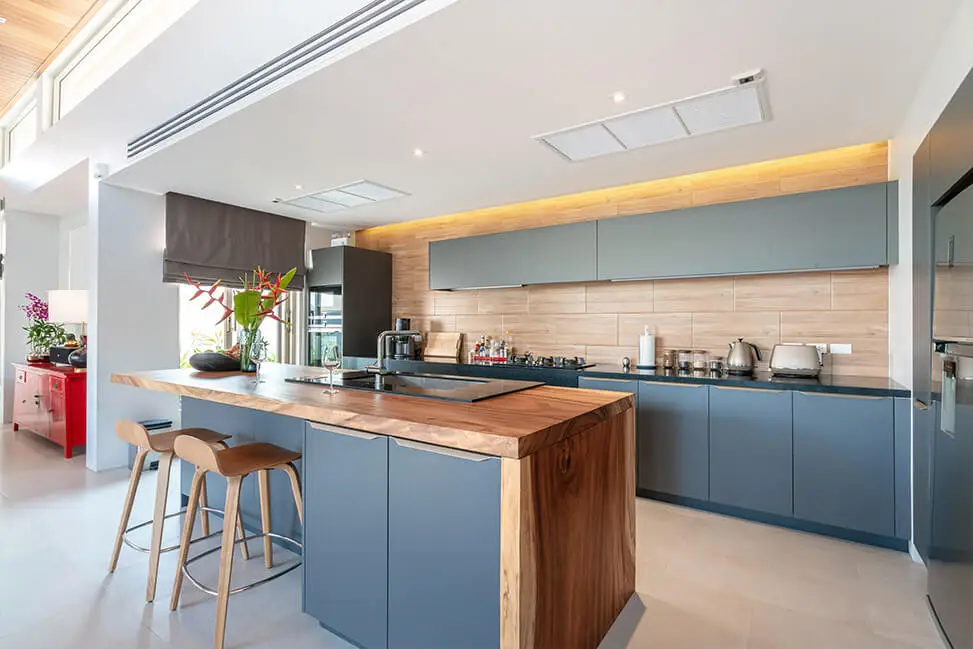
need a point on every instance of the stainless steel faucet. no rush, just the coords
(379, 366)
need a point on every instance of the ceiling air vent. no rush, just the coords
(348, 29)
(362, 192)
(718, 110)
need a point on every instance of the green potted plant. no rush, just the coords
(262, 293)
(41, 333)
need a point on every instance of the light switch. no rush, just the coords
(841, 348)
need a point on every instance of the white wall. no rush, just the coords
(134, 316)
(30, 264)
(952, 62)
(73, 242)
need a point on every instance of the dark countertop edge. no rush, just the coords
(852, 385)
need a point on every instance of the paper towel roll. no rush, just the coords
(646, 350)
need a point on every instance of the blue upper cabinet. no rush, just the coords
(838, 228)
(560, 253)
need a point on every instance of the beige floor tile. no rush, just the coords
(704, 581)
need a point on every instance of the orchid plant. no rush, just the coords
(262, 293)
(41, 333)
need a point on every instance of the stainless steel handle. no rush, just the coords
(918, 405)
(345, 431)
(838, 394)
(681, 385)
(726, 387)
(591, 378)
(441, 450)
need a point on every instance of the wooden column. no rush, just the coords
(567, 538)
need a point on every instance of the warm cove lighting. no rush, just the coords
(702, 188)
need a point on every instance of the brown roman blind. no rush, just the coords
(211, 241)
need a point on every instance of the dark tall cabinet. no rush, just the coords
(364, 280)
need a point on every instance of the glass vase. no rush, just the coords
(247, 339)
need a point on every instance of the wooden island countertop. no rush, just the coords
(513, 425)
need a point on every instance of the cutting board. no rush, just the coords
(442, 346)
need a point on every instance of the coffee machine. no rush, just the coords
(406, 347)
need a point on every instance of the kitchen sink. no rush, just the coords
(432, 386)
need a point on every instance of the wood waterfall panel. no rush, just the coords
(567, 544)
(601, 320)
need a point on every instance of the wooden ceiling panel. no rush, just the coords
(34, 33)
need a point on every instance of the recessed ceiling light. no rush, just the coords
(298, 187)
(618, 96)
(418, 153)
(2, 20)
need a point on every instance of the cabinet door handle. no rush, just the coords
(442, 450)
(918, 405)
(345, 431)
(843, 396)
(736, 389)
(681, 385)
(592, 378)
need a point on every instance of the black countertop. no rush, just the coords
(835, 384)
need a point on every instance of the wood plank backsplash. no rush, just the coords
(602, 320)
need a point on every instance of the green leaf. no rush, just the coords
(246, 306)
(286, 278)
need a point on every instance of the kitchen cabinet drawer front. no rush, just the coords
(839, 228)
(346, 533)
(751, 449)
(444, 548)
(673, 439)
(561, 253)
(612, 385)
(844, 461)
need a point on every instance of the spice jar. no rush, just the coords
(700, 359)
(669, 359)
(685, 359)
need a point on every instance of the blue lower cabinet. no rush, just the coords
(346, 533)
(751, 449)
(903, 473)
(673, 439)
(844, 465)
(247, 426)
(444, 548)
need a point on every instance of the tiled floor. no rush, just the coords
(704, 581)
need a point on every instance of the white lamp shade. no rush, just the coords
(68, 306)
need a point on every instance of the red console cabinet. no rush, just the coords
(51, 401)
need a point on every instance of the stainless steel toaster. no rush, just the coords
(795, 360)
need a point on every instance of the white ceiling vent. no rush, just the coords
(362, 192)
(738, 105)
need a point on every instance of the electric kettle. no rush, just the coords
(742, 358)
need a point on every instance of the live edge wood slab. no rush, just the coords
(513, 425)
(567, 484)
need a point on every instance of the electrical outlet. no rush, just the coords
(840, 348)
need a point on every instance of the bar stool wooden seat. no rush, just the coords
(164, 444)
(233, 463)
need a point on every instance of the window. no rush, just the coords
(198, 331)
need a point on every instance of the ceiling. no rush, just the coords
(472, 83)
(34, 33)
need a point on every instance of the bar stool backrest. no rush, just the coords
(133, 433)
(198, 452)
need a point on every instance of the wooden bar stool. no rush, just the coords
(162, 443)
(233, 463)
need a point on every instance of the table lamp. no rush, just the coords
(71, 307)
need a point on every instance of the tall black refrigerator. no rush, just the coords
(951, 534)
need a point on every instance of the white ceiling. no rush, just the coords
(472, 83)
